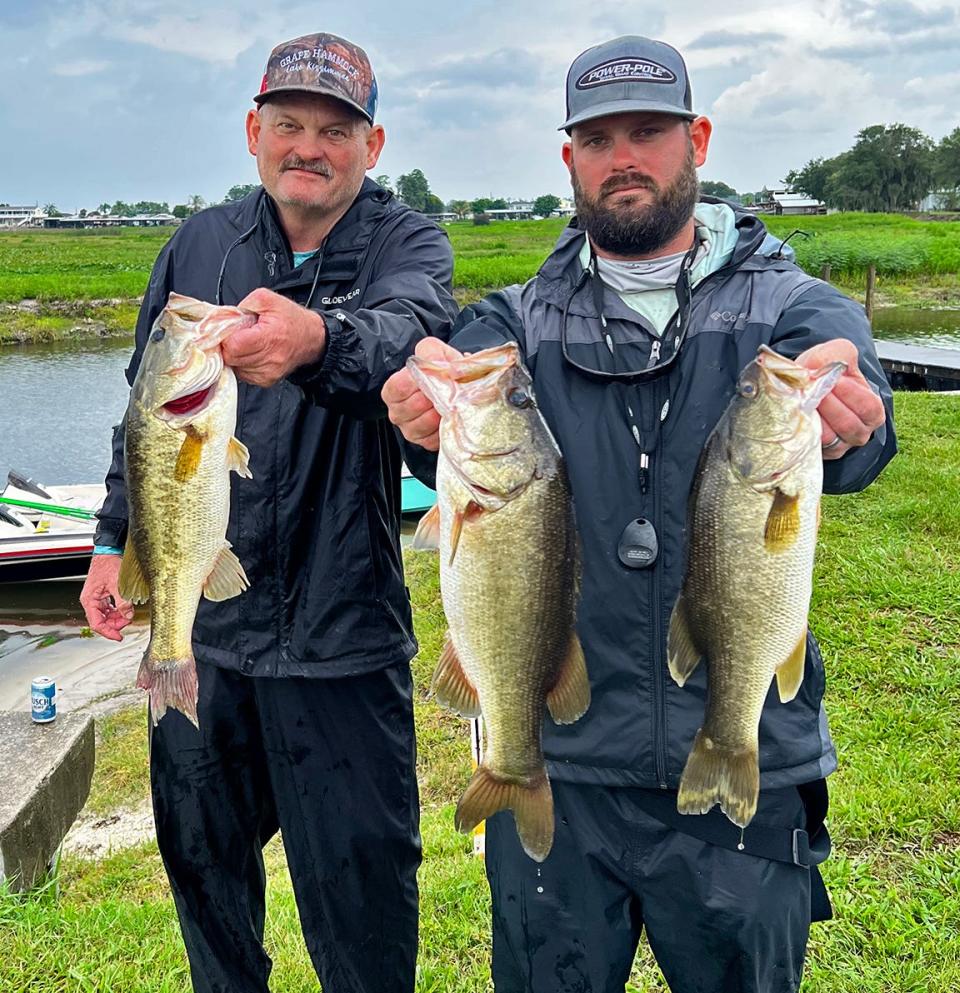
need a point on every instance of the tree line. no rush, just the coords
(890, 167)
(413, 189)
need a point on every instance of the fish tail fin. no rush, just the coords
(715, 774)
(170, 685)
(531, 803)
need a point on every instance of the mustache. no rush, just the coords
(308, 165)
(630, 179)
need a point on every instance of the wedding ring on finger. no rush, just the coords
(832, 444)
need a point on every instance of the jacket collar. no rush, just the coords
(557, 278)
(342, 253)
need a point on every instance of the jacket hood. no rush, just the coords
(560, 273)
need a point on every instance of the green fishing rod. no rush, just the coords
(49, 508)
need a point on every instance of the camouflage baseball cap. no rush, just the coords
(324, 64)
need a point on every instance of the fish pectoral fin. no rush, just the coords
(530, 801)
(783, 522)
(132, 584)
(451, 687)
(427, 536)
(227, 578)
(570, 697)
(188, 461)
(683, 656)
(790, 673)
(471, 512)
(238, 458)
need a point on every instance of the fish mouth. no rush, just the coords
(483, 495)
(197, 393)
(190, 403)
(780, 374)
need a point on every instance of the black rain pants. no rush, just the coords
(331, 763)
(718, 920)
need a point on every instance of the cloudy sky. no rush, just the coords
(145, 99)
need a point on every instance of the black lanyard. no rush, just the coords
(672, 339)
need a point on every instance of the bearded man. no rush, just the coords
(635, 330)
(305, 696)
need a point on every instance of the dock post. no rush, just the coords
(871, 285)
(825, 273)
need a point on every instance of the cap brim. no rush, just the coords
(626, 107)
(317, 91)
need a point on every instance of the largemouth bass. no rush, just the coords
(752, 519)
(509, 575)
(179, 452)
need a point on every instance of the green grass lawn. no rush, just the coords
(887, 612)
(917, 261)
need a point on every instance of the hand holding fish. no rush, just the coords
(851, 412)
(408, 406)
(107, 612)
(285, 336)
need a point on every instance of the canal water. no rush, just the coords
(58, 405)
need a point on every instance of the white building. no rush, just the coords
(785, 201)
(19, 217)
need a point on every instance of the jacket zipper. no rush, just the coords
(660, 709)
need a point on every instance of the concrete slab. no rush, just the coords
(45, 775)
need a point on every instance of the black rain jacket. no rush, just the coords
(317, 528)
(640, 725)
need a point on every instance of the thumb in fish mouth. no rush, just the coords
(823, 381)
(441, 378)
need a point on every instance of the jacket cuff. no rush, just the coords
(340, 353)
(111, 531)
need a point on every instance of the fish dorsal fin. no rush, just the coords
(683, 656)
(790, 672)
(570, 697)
(451, 687)
(783, 522)
(227, 578)
(132, 584)
(188, 461)
(238, 458)
(427, 537)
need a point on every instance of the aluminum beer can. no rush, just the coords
(43, 699)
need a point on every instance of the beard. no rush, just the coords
(629, 228)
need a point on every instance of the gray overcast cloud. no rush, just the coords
(145, 100)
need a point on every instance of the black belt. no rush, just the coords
(791, 845)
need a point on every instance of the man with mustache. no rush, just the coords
(305, 696)
(635, 330)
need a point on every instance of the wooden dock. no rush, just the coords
(918, 367)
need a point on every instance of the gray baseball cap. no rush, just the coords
(627, 74)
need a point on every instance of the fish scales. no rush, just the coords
(179, 451)
(509, 576)
(727, 538)
(179, 527)
(504, 660)
(753, 517)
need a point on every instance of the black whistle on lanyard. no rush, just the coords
(638, 546)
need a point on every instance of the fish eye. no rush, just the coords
(158, 335)
(519, 398)
(748, 390)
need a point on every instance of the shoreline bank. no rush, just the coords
(31, 322)
(42, 321)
